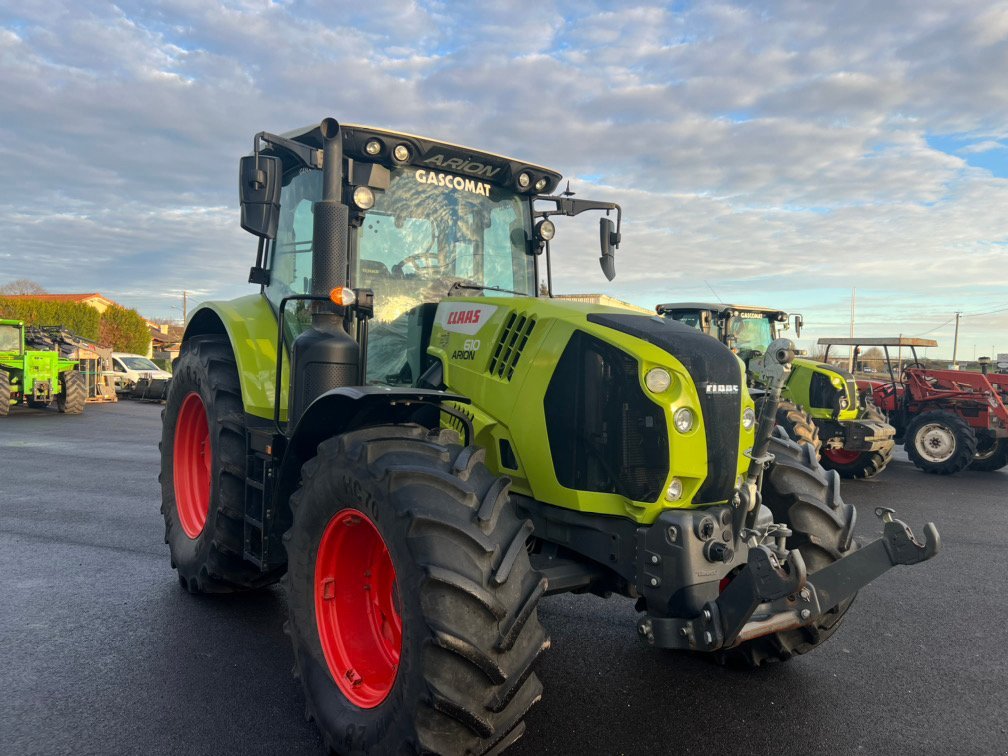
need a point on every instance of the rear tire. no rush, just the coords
(451, 667)
(798, 424)
(940, 442)
(806, 497)
(991, 454)
(5, 394)
(73, 393)
(202, 472)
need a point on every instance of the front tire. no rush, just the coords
(73, 393)
(991, 454)
(5, 394)
(423, 639)
(805, 497)
(202, 471)
(940, 442)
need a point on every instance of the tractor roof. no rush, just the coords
(721, 308)
(431, 153)
(887, 341)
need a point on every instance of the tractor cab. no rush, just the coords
(747, 330)
(11, 338)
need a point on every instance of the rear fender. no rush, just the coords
(251, 327)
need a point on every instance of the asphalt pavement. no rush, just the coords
(104, 653)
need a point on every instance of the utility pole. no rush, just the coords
(853, 298)
(185, 305)
(955, 342)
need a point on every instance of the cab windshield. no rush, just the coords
(752, 334)
(431, 230)
(10, 338)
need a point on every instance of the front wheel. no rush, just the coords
(991, 453)
(805, 497)
(412, 602)
(5, 394)
(798, 424)
(853, 464)
(940, 442)
(73, 393)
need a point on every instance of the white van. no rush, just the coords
(130, 368)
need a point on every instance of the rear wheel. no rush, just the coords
(411, 599)
(940, 442)
(806, 497)
(73, 393)
(5, 394)
(202, 471)
(991, 453)
(798, 424)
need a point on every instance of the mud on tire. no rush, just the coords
(807, 498)
(208, 559)
(798, 424)
(464, 591)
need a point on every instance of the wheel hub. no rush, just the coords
(935, 442)
(192, 464)
(357, 608)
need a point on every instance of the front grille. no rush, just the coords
(604, 434)
(509, 347)
(708, 362)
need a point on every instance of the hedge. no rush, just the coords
(124, 330)
(79, 318)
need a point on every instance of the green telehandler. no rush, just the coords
(39, 378)
(820, 402)
(398, 427)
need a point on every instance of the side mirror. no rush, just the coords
(799, 321)
(609, 240)
(259, 181)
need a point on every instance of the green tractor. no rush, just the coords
(820, 403)
(36, 377)
(398, 427)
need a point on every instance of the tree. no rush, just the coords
(22, 286)
(124, 330)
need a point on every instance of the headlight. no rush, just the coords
(657, 380)
(373, 147)
(748, 418)
(524, 180)
(844, 403)
(545, 229)
(684, 419)
(401, 153)
(674, 491)
(363, 197)
(540, 184)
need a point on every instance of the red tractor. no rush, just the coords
(947, 420)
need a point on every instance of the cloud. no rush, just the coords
(779, 151)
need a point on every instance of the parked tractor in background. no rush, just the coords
(820, 403)
(947, 420)
(424, 447)
(38, 378)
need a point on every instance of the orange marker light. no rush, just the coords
(342, 296)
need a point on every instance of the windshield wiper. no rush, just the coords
(458, 286)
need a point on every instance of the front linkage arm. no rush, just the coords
(771, 595)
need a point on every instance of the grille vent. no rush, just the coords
(509, 347)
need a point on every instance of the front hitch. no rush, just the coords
(772, 595)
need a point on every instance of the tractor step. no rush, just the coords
(261, 546)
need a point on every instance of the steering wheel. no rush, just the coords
(418, 261)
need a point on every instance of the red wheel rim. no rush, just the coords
(356, 608)
(841, 456)
(193, 460)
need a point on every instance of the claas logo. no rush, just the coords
(460, 317)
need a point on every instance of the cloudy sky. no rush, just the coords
(776, 153)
